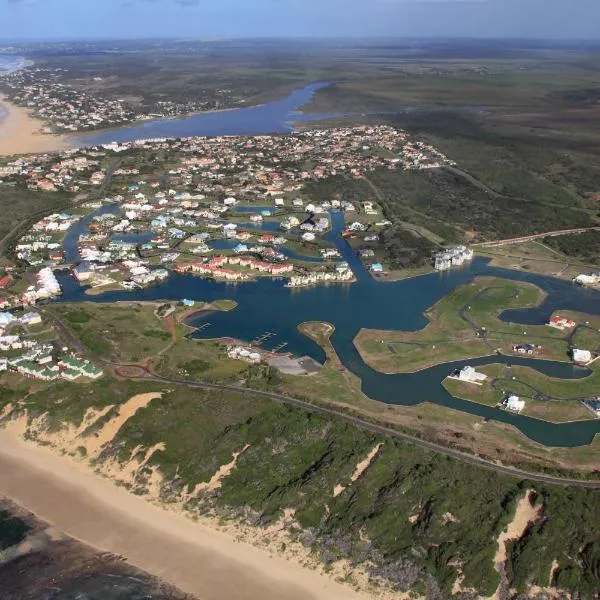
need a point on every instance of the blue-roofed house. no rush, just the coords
(376, 268)
(6, 318)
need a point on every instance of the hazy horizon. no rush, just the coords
(98, 20)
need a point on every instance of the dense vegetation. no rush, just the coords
(584, 246)
(406, 249)
(18, 204)
(398, 514)
(309, 454)
(525, 163)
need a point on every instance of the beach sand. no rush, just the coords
(20, 132)
(196, 559)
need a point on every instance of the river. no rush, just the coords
(268, 306)
(272, 117)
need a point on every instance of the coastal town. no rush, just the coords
(229, 208)
(281, 332)
(67, 109)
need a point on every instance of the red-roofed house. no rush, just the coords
(559, 322)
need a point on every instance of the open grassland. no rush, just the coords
(520, 129)
(127, 332)
(138, 333)
(464, 324)
(536, 257)
(397, 504)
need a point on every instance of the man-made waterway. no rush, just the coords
(273, 117)
(268, 306)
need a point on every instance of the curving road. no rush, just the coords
(381, 429)
(472, 459)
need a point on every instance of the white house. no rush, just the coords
(582, 357)
(470, 375)
(514, 403)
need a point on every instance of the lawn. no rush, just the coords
(449, 337)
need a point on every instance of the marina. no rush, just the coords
(268, 306)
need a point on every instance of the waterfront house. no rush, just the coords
(581, 357)
(376, 267)
(560, 322)
(83, 271)
(514, 403)
(453, 257)
(591, 279)
(470, 375)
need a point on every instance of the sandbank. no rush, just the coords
(191, 556)
(20, 133)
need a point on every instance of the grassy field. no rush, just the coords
(134, 333)
(553, 411)
(449, 337)
(520, 129)
(125, 332)
(536, 257)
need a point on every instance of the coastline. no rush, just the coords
(20, 132)
(194, 556)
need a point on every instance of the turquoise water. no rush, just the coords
(268, 306)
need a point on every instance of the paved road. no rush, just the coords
(363, 424)
(534, 236)
(74, 342)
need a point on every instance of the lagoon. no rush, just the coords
(274, 117)
(268, 306)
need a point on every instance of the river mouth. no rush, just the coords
(268, 306)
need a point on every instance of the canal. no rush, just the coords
(267, 305)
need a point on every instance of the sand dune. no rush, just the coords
(20, 132)
(198, 560)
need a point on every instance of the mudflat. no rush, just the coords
(191, 556)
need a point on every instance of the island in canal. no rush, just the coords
(177, 313)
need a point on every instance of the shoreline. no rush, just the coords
(20, 132)
(79, 136)
(193, 556)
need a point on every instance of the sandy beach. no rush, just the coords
(20, 132)
(193, 557)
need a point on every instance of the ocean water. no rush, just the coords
(9, 64)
